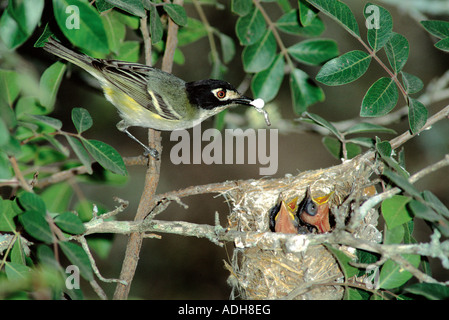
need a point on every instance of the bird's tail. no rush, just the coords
(78, 59)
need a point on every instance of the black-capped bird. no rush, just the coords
(151, 98)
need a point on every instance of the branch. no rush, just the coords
(273, 240)
(403, 138)
(152, 174)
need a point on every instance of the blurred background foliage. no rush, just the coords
(179, 267)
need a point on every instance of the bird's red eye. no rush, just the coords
(221, 94)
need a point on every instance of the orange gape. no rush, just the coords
(315, 212)
(285, 220)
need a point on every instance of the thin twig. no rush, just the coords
(19, 175)
(85, 246)
(272, 27)
(146, 39)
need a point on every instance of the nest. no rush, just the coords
(261, 271)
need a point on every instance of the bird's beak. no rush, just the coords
(284, 221)
(243, 100)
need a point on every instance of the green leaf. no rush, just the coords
(250, 28)
(402, 183)
(27, 106)
(384, 148)
(81, 24)
(340, 12)
(324, 123)
(46, 256)
(17, 253)
(443, 44)
(435, 203)
(380, 25)
(438, 28)
(103, 6)
(417, 115)
(241, 7)
(194, 31)
(35, 224)
(380, 98)
(43, 38)
(408, 231)
(260, 55)
(49, 84)
(304, 91)
(368, 127)
(85, 209)
(431, 291)
(227, 47)
(4, 133)
(395, 212)
(58, 145)
(19, 21)
(314, 52)
(101, 244)
(129, 51)
(57, 197)
(31, 201)
(363, 141)
(334, 146)
(81, 119)
(135, 7)
(412, 84)
(78, 257)
(177, 13)
(289, 23)
(49, 121)
(106, 155)
(9, 86)
(17, 271)
(266, 84)
(80, 152)
(397, 49)
(392, 275)
(114, 28)
(156, 29)
(7, 215)
(344, 69)
(343, 260)
(306, 13)
(70, 223)
(423, 211)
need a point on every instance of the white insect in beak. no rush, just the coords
(258, 104)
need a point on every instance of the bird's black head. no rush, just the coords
(209, 94)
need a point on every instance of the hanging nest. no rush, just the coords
(269, 270)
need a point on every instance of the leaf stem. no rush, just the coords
(276, 35)
(209, 30)
(392, 75)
